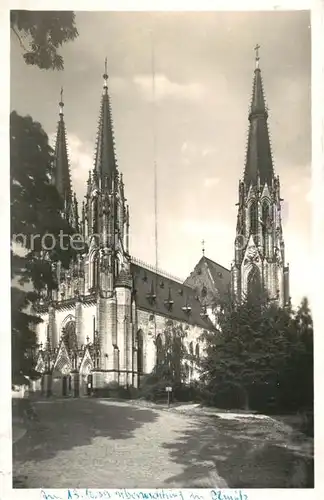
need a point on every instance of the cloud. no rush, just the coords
(188, 148)
(165, 88)
(184, 147)
(81, 161)
(81, 156)
(117, 84)
(207, 152)
(211, 181)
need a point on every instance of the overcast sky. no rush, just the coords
(204, 66)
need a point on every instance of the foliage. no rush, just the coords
(41, 34)
(35, 203)
(261, 357)
(35, 210)
(171, 366)
(115, 391)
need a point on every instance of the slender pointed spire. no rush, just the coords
(258, 156)
(105, 162)
(62, 176)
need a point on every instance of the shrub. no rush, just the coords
(114, 390)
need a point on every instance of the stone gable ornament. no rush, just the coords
(252, 255)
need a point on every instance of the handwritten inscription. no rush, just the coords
(123, 494)
(231, 495)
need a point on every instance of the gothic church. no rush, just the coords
(109, 317)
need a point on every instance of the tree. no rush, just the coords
(170, 367)
(261, 355)
(36, 209)
(297, 375)
(35, 204)
(41, 34)
(244, 358)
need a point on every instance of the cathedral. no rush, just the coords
(108, 319)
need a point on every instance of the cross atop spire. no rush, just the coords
(105, 75)
(61, 103)
(203, 246)
(257, 57)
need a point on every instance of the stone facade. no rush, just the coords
(97, 325)
(120, 352)
(110, 313)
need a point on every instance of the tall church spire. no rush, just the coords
(259, 260)
(105, 162)
(62, 176)
(258, 162)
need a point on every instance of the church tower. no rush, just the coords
(259, 245)
(61, 171)
(105, 227)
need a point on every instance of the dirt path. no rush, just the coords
(89, 443)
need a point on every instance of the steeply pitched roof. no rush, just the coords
(258, 156)
(209, 279)
(62, 175)
(153, 292)
(105, 160)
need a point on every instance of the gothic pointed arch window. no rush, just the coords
(69, 336)
(191, 352)
(95, 217)
(140, 353)
(116, 358)
(197, 351)
(93, 269)
(253, 217)
(159, 350)
(117, 265)
(254, 282)
(265, 216)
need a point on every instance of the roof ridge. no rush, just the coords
(214, 262)
(156, 270)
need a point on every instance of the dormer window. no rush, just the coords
(180, 291)
(220, 275)
(145, 278)
(204, 291)
(161, 284)
(169, 302)
(151, 296)
(203, 313)
(198, 270)
(186, 309)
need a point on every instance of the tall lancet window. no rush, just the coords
(159, 350)
(254, 282)
(265, 222)
(93, 270)
(69, 336)
(95, 215)
(140, 353)
(254, 217)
